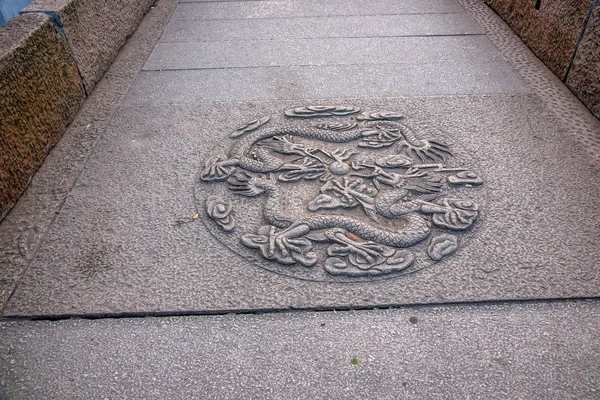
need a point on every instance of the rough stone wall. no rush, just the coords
(584, 76)
(51, 57)
(40, 91)
(552, 33)
(96, 29)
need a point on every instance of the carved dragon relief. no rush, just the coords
(382, 199)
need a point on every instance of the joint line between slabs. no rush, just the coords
(260, 311)
(326, 38)
(159, 70)
(309, 16)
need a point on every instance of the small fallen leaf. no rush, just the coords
(195, 217)
(354, 361)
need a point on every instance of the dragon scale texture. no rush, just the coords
(416, 227)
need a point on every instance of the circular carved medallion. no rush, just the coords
(335, 193)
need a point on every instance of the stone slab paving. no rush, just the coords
(118, 244)
(506, 202)
(316, 82)
(575, 118)
(309, 8)
(326, 52)
(194, 30)
(25, 227)
(504, 351)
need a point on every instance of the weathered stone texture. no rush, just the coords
(584, 77)
(551, 32)
(40, 91)
(96, 30)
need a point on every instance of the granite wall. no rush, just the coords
(96, 30)
(584, 76)
(565, 35)
(51, 56)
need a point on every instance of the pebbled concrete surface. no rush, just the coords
(504, 351)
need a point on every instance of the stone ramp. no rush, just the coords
(134, 236)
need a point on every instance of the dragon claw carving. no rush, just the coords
(217, 168)
(380, 137)
(277, 247)
(363, 258)
(425, 150)
(458, 214)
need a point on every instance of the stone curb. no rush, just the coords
(51, 57)
(575, 118)
(95, 30)
(564, 34)
(40, 92)
(584, 75)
